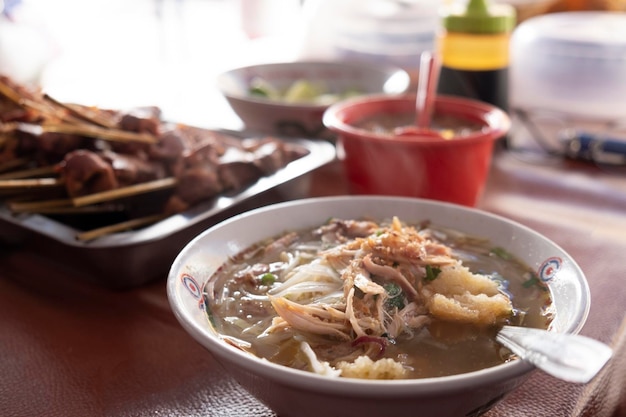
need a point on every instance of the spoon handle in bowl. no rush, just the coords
(426, 89)
(569, 357)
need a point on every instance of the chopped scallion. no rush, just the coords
(394, 294)
(501, 253)
(534, 281)
(432, 272)
(392, 289)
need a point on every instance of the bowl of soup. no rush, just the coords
(384, 154)
(289, 98)
(372, 305)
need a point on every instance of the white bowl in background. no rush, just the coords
(302, 119)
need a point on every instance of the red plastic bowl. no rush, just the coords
(454, 170)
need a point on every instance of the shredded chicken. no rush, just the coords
(391, 274)
(311, 318)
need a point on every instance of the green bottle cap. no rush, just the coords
(480, 17)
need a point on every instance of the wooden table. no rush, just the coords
(71, 348)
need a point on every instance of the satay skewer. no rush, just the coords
(83, 113)
(13, 164)
(118, 193)
(115, 135)
(119, 227)
(10, 93)
(46, 110)
(7, 127)
(97, 209)
(38, 206)
(89, 199)
(53, 110)
(28, 173)
(30, 183)
(6, 131)
(82, 129)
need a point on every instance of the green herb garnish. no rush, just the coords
(392, 289)
(534, 281)
(432, 273)
(268, 279)
(501, 253)
(394, 293)
(258, 91)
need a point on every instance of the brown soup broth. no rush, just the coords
(447, 125)
(238, 307)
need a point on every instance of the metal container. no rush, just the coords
(130, 259)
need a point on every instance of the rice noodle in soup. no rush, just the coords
(375, 300)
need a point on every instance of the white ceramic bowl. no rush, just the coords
(302, 119)
(291, 392)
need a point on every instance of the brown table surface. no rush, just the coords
(72, 348)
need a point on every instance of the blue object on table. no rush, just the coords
(596, 148)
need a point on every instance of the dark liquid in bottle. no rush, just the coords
(490, 86)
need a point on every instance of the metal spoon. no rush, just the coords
(570, 357)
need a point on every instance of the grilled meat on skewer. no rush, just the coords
(204, 175)
(121, 154)
(86, 172)
(12, 98)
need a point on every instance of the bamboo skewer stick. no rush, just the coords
(57, 113)
(118, 193)
(37, 206)
(31, 183)
(115, 135)
(119, 227)
(86, 200)
(83, 129)
(28, 173)
(83, 113)
(44, 109)
(9, 93)
(8, 127)
(13, 163)
(76, 210)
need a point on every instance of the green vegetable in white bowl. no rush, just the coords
(300, 91)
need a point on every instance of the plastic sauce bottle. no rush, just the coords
(473, 45)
